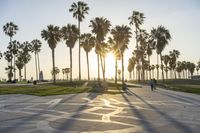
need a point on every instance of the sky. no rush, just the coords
(181, 17)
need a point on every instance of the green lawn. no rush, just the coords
(59, 88)
(191, 86)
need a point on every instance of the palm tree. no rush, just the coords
(116, 52)
(79, 9)
(122, 34)
(137, 19)
(36, 47)
(198, 66)
(87, 42)
(100, 27)
(52, 36)
(20, 63)
(183, 64)
(174, 55)
(70, 34)
(166, 59)
(162, 37)
(179, 68)
(10, 30)
(8, 56)
(191, 68)
(14, 46)
(26, 49)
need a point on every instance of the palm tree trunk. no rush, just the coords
(88, 66)
(102, 67)
(20, 75)
(79, 49)
(122, 68)
(98, 67)
(25, 72)
(14, 68)
(149, 66)
(161, 62)
(53, 59)
(157, 69)
(115, 71)
(70, 50)
(36, 67)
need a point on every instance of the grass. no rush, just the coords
(59, 88)
(183, 85)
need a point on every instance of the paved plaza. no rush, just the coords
(137, 110)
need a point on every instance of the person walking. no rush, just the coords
(154, 83)
(151, 84)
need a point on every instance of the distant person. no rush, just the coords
(154, 83)
(151, 84)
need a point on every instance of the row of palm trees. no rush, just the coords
(118, 41)
(21, 51)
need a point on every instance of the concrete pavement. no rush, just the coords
(136, 110)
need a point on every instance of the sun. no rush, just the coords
(110, 65)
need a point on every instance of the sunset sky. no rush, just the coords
(181, 17)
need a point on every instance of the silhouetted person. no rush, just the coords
(154, 83)
(151, 84)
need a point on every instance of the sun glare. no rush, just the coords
(110, 65)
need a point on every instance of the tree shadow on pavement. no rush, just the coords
(180, 126)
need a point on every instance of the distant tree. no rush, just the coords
(87, 42)
(36, 48)
(79, 9)
(173, 57)
(191, 68)
(162, 37)
(166, 59)
(20, 63)
(70, 35)
(52, 35)
(26, 49)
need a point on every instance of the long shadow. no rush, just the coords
(147, 125)
(179, 97)
(70, 122)
(182, 127)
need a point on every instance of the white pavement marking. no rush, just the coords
(53, 103)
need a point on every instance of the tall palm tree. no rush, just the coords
(162, 37)
(14, 46)
(100, 27)
(70, 34)
(131, 65)
(191, 68)
(79, 9)
(10, 29)
(122, 34)
(36, 47)
(87, 42)
(116, 52)
(137, 19)
(52, 35)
